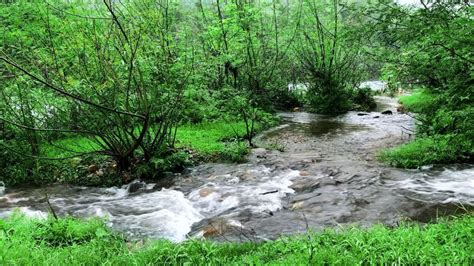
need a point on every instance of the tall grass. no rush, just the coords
(69, 241)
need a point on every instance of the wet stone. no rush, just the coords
(205, 192)
(135, 186)
(164, 183)
(305, 184)
(304, 173)
(306, 196)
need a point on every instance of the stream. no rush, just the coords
(323, 173)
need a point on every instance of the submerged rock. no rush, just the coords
(206, 192)
(304, 173)
(135, 186)
(305, 184)
(387, 112)
(164, 183)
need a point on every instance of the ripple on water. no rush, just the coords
(449, 185)
(165, 213)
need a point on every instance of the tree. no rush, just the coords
(329, 61)
(115, 80)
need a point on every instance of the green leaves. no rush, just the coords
(89, 242)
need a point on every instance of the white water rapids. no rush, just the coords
(327, 176)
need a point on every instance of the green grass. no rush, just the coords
(208, 137)
(67, 147)
(423, 151)
(212, 140)
(418, 101)
(432, 148)
(215, 141)
(68, 241)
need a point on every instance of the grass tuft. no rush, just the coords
(88, 242)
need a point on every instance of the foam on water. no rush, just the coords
(265, 196)
(27, 212)
(446, 186)
(165, 213)
(2, 188)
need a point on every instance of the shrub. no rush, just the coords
(363, 99)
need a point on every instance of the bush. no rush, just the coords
(328, 98)
(438, 149)
(363, 100)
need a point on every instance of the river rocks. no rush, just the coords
(376, 116)
(359, 202)
(260, 153)
(296, 109)
(306, 196)
(387, 112)
(168, 175)
(226, 229)
(362, 114)
(164, 183)
(297, 205)
(330, 182)
(304, 173)
(204, 192)
(305, 184)
(401, 109)
(135, 186)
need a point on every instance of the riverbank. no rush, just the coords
(217, 141)
(442, 136)
(89, 242)
(326, 176)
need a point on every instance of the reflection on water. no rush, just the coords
(323, 127)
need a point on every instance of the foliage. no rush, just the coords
(103, 85)
(329, 57)
(419, 101)
(430, 48)
(195, 143)
(71, 241)
(363, 99)
(438, 149)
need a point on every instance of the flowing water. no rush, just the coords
(325, 175)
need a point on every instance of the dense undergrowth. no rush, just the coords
(70, 241)
(218, 141)
(442, 136)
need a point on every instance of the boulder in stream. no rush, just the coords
(206, 192)
(135, 186)
(305, 184)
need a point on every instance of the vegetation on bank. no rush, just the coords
(98, 81)
(432, 51)
(77, 242)
(433, 144)
(221, 141)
